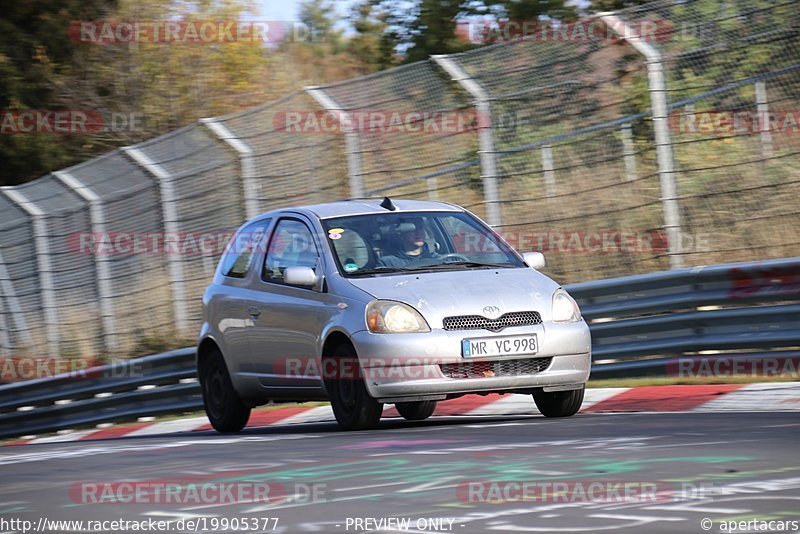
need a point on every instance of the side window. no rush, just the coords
(238, 256)
(292, 244)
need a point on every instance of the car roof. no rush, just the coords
(367, 206)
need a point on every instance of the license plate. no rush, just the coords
(499, 346)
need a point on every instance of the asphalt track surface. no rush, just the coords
(717, 466)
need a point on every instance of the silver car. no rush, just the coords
(365, 303)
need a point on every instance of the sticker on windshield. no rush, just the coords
(335, 233)
(350, 267)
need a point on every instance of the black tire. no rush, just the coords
(559, 403)
(224, 408)
(352, 406)
(416, 411)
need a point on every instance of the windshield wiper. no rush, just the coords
(379, 270)
(450, 264)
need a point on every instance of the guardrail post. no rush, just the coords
(171, 227)
(352, 149)
(658, 100)
(762, 110)
(98, 220)
(246, 162)
(487, 152)
(42, 246)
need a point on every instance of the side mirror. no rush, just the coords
(535, 260)
(300, 276)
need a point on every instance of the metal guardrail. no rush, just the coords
(641, 325)
(124, 391)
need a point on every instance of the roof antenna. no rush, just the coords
(387, 204)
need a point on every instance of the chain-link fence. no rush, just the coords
(654, 137)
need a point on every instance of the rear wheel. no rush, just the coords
(352, 406)
(416, 411)
(224, 408)
(559, 403)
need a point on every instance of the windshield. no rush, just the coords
(386, 243)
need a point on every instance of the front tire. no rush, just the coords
(225, 410)
(416, 411)
(352, 406)
(559, 403)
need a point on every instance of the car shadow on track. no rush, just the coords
(330, 427)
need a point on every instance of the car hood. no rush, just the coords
(442, 294)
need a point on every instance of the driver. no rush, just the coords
(412, 246)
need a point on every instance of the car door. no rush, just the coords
(284, 335)
(230, 301)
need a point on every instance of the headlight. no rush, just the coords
(565, 309)
(390, 317)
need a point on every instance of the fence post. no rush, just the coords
(487, 152)
(433, 188)
(351, 143)
(42, 246)
(5, 333)
(12, 302)
(549, 171)
(98, 220)
(762, 110)
(246, 162)
(628, 152)
(658, 101)
(172, 228)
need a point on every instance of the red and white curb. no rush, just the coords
(767, 397)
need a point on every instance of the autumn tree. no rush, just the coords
(35, 48)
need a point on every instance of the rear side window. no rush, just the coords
(238, 256)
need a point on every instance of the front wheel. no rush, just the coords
(559, 403)
(352, 406)
(224, 408)
(416, 411)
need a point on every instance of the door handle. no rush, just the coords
(254, 311)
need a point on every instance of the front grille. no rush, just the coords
(478, 322)
(528, 366)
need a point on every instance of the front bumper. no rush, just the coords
(408, 365)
